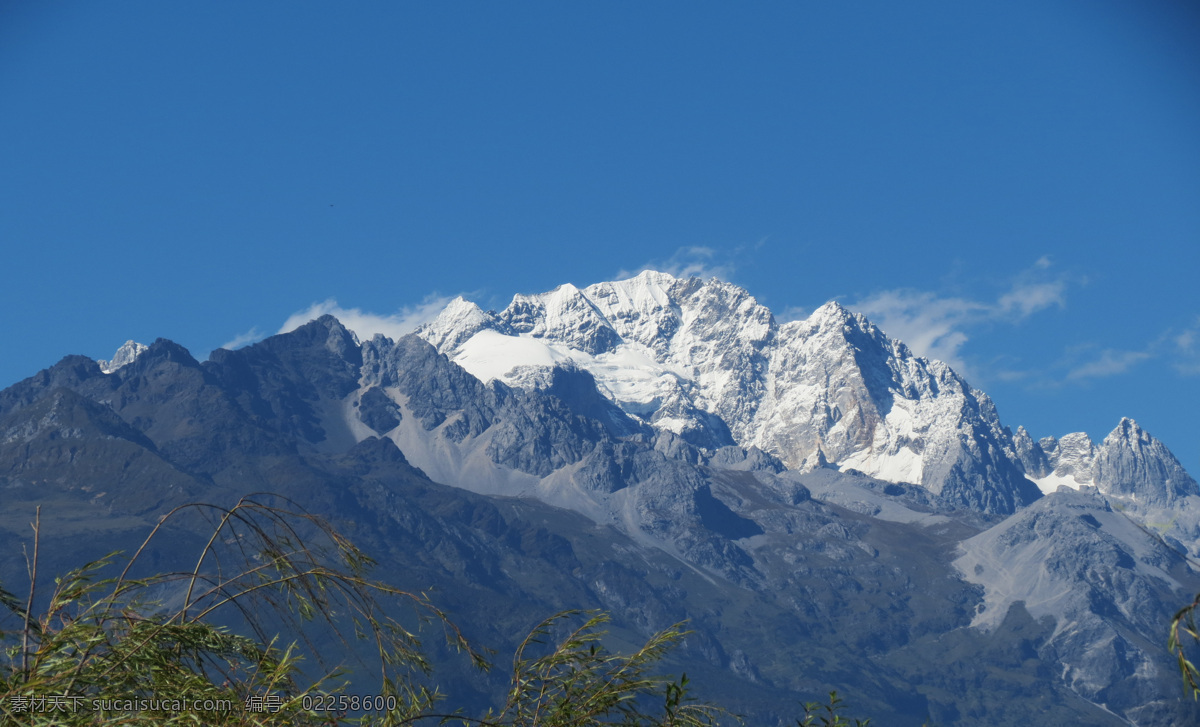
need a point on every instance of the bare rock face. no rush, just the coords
(1130, 462)
(1073, 456)
(1099, 579)
(1030, 454)
(841, 387)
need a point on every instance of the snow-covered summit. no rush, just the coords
(705, 360)
(564, 315)
(124, 356)
(457, 322)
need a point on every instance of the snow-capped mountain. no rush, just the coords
(623, 447)
(704, 360)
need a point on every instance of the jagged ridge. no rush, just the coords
(704, 360)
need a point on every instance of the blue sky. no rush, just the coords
(1014, 188)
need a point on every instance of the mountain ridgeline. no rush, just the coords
(826, 509)
(705, 361)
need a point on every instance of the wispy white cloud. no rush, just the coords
(1179, 349)
(251, 336)
(687, 262)
(1185, 350)
(700, 261)
(1082, 363)
(1027, 298)
(932, 326)
(793, 313)
(937, 326)
(1087, 362)
(1012, 375)
(366, 324)
(1107, 362)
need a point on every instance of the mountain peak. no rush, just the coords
(652, 277)
(457, 322)
(337, 337)
(832, 309)
(124, 356)
(1128, 429)
(835, 316)
(566, 289)
(1129, 464)
(704, 360)
(1132, 462)
(565, 315)
(645, 292)
(459, 306)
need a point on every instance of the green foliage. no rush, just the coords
(108, 649)
(104, 648)
(826, 715)
(580, 683)
(1185, 622)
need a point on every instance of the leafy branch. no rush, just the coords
(1185, 622)
(114, 638)
(265, 567)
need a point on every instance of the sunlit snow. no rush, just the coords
(1051, 482)
(491, 355)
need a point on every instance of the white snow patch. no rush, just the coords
(629, 374)
(492, 355)
(632, 375)
(904, 465)
(1051, 482)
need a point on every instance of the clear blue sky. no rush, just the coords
(1013, 186)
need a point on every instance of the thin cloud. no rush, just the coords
(701, 261)
(690, 262)
(1025, 299)
(365, 324)
(793, 313)
(936, 326)
(1179, 349)
(1109, 362)
(1185, 350)
(931, 326)
(251, 336)
(1012, 375)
